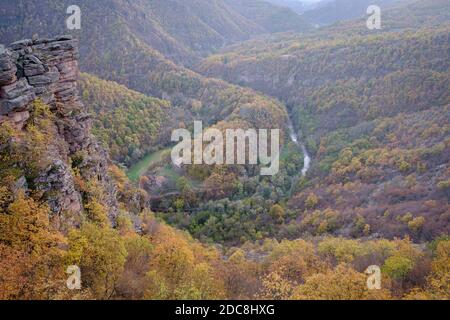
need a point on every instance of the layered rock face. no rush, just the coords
(47, 69)
(42, 68)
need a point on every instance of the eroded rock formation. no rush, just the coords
(47, 69)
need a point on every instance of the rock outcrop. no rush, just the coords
(47, 69)
(43, 68)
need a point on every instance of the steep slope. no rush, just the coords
(117, 54)
(303, 74)
(128, 123)
(47, 149)
(48, 18)
(200, 25)
(112, 50)
(140, 68)
(60, 197)
(353, 95)
(178, 29)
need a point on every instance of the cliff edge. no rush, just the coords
(46, 71)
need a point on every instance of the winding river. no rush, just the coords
(295, 139)
(138, 169)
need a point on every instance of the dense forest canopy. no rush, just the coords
(87, 180)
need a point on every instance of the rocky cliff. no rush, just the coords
(46, 70)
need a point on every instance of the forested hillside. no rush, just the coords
(128, 123)
(87, 179)
(118, 54)
(63, 203)
(178, 29)
(374, 112)
(113, 50)
(272, 18)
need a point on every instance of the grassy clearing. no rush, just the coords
(141, 167)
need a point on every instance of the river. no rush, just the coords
(140, 168)
(296, 140)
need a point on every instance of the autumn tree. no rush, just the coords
(30, 248)
(276, 287)
(100, 253)
(277, 213)
(181, 269)
(439, 280)
(342, 283)
(133, 281)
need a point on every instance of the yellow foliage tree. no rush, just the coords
(100, 254)
(30, 248)
(342, 283)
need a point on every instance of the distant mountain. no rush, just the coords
(181, 30)
(272, 18)
(299, 6)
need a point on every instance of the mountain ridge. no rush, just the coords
(156, 23)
